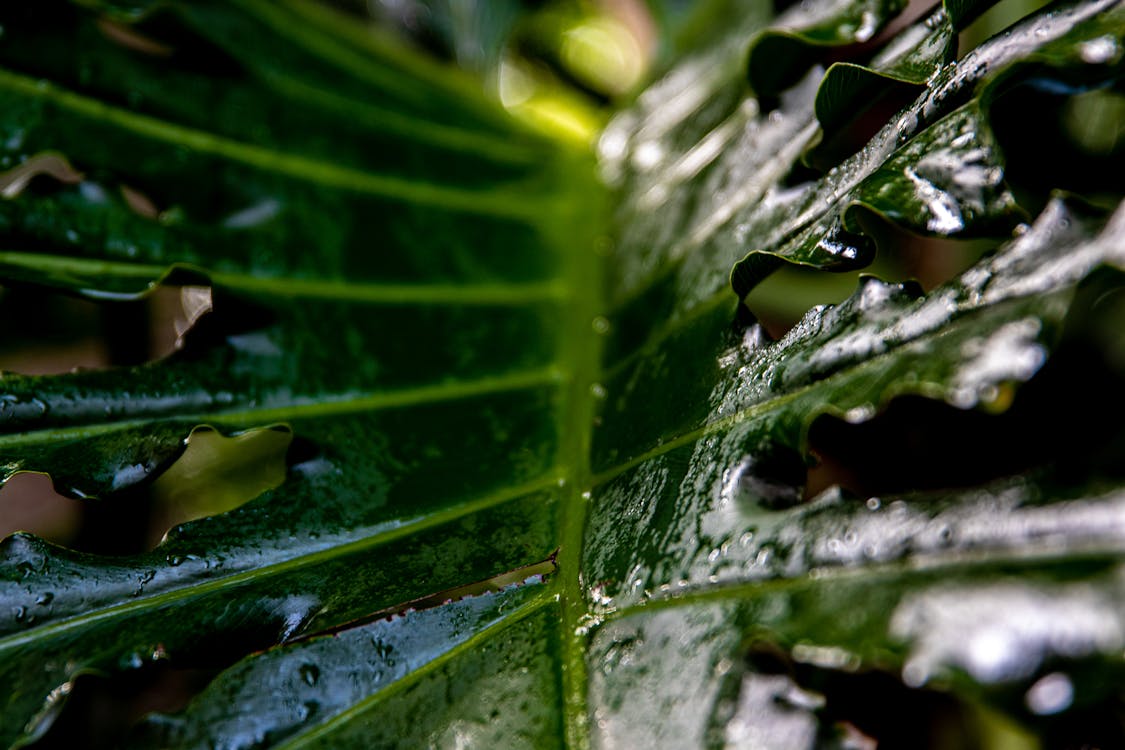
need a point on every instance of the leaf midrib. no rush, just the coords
(581, 348)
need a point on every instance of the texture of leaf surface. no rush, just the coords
(338, 679)
(327, 272)
(907, 62)
(490, 356)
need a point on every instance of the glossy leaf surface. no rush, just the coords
(495, 353)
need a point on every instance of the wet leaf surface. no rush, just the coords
(481, 350)
(907, 63)
(821, 235)
(781, 54)
(735, 457)
(328, 683)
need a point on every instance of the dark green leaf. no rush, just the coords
(780, 56)
(707, 475)
(946, 200)
(489, 364)
(498, 647)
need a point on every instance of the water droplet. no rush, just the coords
(92, 192)
(600, 325)
(174, 560)
(859, 414)
(599, 596)
(1050, 695)
(873, 503)
(647, 155)
(310, 674)
(21, 613)
(963, 398)
(1101, 50)
(598, 391)
(45, 598)
(127, 476)
(907, 125)
(915, 674)
(868, 24)
(253, 216)
(836, 248)
(307, 709)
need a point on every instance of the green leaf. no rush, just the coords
(549, 479)
(951, 625)
(780, 56)
(706, 474)
(903, 67)
(497, 649)
(384, 490)
(905, 64)
(950, 194)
